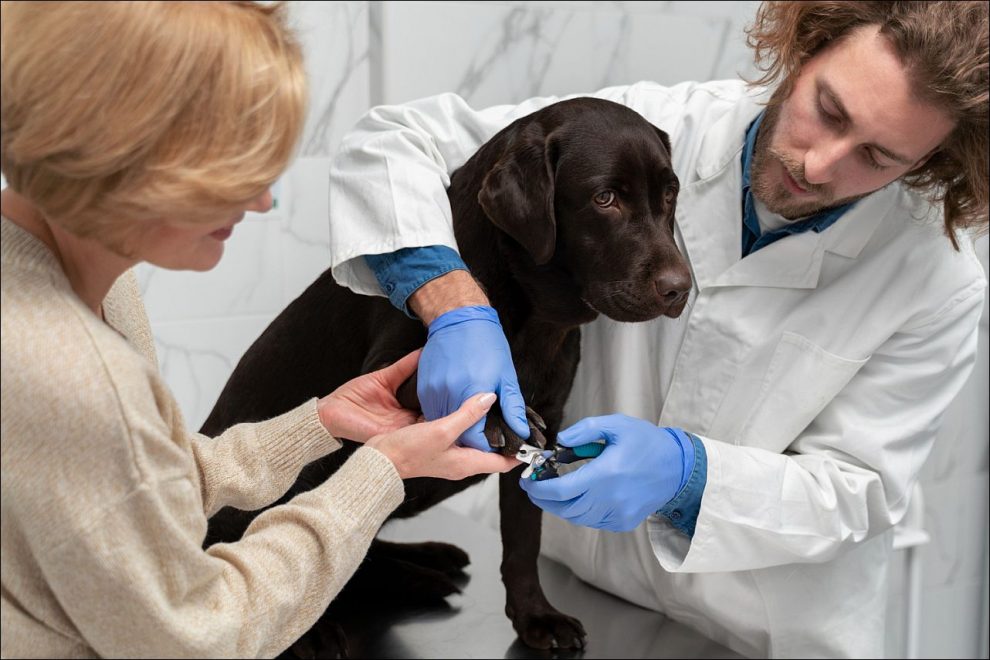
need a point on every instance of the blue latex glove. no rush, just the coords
(642, 468)
(466, 353)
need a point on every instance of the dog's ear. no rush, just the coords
(517, 194)
(672, 199)
(666, 142)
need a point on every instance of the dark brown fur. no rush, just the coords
(550, 259)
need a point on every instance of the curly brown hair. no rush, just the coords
(944, 47)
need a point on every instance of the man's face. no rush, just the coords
(850, 126)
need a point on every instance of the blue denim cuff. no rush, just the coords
(401, 272)
(683, 509)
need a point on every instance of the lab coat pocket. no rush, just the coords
(801, 380)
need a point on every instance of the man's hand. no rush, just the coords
(466, 353)
(366, 406)
(642, 468)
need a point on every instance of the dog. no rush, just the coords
(565, 214)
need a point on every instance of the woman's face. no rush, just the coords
(179, 245)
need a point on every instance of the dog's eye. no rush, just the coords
(605, 198)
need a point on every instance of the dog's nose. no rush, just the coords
(673, 285)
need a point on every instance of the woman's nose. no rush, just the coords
(262, 203)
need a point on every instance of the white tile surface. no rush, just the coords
(248, 279)
(492, 54)
(197, 357)
(335, 43)
(305, 237)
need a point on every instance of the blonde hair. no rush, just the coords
(116, 113)
(944, 47)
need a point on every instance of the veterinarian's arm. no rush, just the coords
(466, 351)
(848, 476)
(389, 179)
(644, 470)
(447, 292)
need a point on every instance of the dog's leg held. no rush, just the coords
(538, 623)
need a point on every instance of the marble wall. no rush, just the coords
(363, 53)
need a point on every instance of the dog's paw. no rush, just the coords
(505, 441)
(444, 557)
(549, 629)
(326, 639)
(422, 584)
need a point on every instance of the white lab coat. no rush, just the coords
(816, 370)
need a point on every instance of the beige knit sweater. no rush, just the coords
(105, 494)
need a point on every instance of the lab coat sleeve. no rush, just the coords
(848, 476)
(388, 182)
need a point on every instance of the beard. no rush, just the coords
(771, 190)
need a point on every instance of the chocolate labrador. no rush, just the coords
(565, 214)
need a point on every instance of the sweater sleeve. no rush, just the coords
(136, 583)
(248, 466)
(251, 465)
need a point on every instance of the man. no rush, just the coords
(773, 433)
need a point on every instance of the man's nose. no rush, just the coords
(262, 203)
(822, 160)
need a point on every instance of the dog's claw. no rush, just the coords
(534, 418)
(500, 439)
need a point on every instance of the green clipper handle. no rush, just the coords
(581, 452)
(566, 455)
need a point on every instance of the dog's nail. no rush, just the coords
(537, 438)
(540, 424)
(500, 439)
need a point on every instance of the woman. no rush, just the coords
(142, 132)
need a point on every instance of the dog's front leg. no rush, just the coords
(538, 623)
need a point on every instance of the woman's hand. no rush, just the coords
(366, 406)
(427, 449)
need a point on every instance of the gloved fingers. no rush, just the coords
(563, 488)
(586, 430)
(513, 408)
(560, 509)
(467, 421)
(577, 510)
(400, 370)
(475, 437)
(432, 400)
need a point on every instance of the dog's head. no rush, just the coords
(586, 185)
